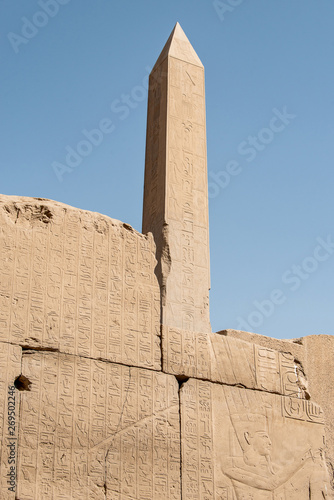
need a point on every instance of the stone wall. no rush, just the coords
(99, 402)
(77, 282)
(80, 334)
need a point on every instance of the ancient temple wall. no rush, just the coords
(319, 363)
(96, 430)
(84, 421)
(10, 368)
(112, 385)
(77, 282)
(86, 411)
(240, 444)
(314, 360)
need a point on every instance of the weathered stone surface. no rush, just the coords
(90, 403)
(314, 358)
(96, 430)
(78, 282)
(293, 347)
(319, 362)
(240, 445)
(10, 369)
(227, 360)
(176, 191)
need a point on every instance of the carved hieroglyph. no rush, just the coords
(176, 191)
(91, 407)
(96, 430)
(239, 444)
(227, 360)
(78, 282)
(10, 369)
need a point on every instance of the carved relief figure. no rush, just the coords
(255, 475)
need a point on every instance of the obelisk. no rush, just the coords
(176, 191)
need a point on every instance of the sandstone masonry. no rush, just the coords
(112, 384)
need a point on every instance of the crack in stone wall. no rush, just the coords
(118, 426)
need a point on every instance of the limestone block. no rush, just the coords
(77, 282)
(10, 369)
(315, 355)
(97, 430)
(227, 360)
(320, 370)
(239, 444)
(292, 346)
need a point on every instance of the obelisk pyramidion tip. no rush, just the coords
(179, 47)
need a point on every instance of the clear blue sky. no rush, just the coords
(271, 223)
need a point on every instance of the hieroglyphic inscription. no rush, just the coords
(302, 409)
(208, 356)
(10, 369)
(197, 441)
(262, 454)
(78, 282)
(187, 206)
(187, 353)
(97, 430)
(267, 369)
(20, 288)
(277, 372)
(227, 360)
(175, 197)
(289, 376)
(251, 449)
(153, 213)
